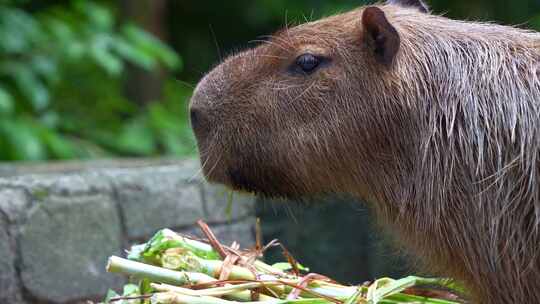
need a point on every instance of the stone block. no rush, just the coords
(64, 246)
(43, 185)
(14, 204)
(9, 291)
(152, 200)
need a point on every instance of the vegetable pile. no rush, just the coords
(176, 269)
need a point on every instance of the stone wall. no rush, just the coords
(59, 223)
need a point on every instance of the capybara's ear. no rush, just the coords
(380, 36)
(419, 4)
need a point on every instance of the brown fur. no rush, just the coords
(443, 142)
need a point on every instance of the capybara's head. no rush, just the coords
(292, 116)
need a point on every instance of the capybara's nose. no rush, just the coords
(199, 121)
(204, 103)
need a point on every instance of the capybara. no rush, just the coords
(434, 122)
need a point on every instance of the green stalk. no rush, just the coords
(156, 274)
(167, 276)
(216, 291)
(187, 261)
(189, 242)
(265, 268)
(354, 298)
(206, 248)
(240, 291)
(326, 289)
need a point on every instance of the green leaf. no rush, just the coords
(163, 118)
(18, 30)
(387, 288)
(174, 144)
(133, 54)
(58, 146)
(145, 287)
(104, 57)
(51, 119)
(98, 15)
(45, 67)
(76, 50)
(152, 46)
(23, 140)
(60, 30)
(160, 242)
(6, 102)
(28, 83)
(110, 295)
(69, 43)
(136, 138)
(131, 290)
(11, 43)
(169, 130)
(136, 252)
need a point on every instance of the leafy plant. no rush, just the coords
(173, 264)
(61, 74)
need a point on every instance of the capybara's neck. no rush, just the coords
(466, 193)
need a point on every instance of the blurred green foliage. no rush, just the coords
(61, 72)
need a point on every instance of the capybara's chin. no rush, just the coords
(264, 185)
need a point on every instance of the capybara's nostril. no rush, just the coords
(194, 117)
(199, 121)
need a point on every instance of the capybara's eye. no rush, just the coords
(307, 63)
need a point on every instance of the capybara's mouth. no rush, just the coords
(231, 178)
(269, 182)
(238, 181)
(213, 171)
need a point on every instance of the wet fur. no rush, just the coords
(444, 144)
